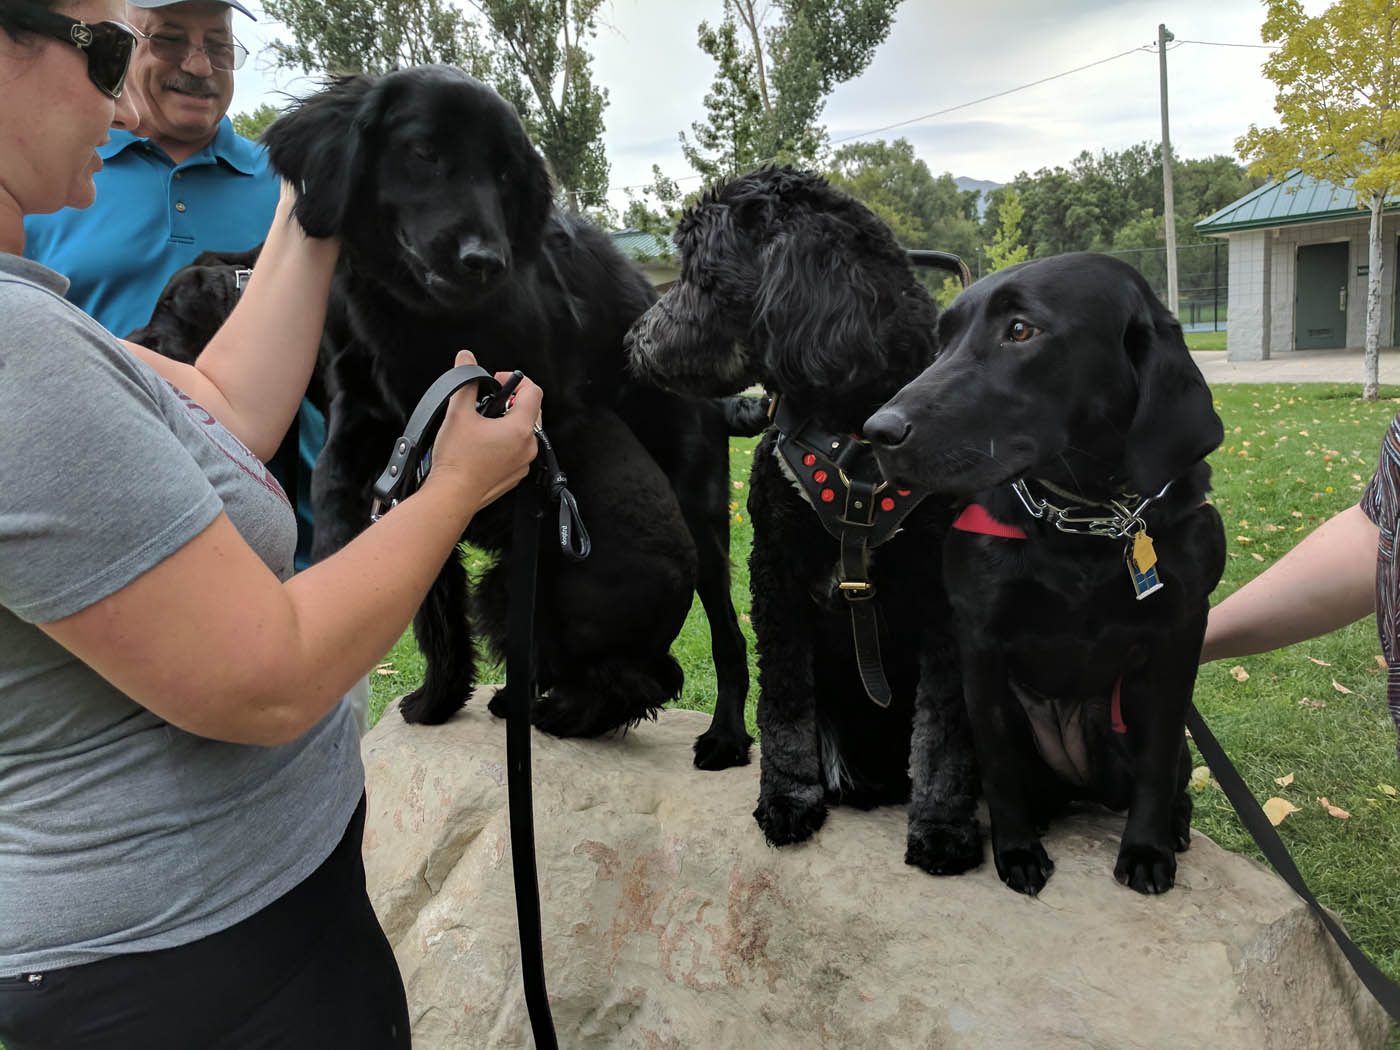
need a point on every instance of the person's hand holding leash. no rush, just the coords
(486, 456)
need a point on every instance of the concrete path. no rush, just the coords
(1297, 366)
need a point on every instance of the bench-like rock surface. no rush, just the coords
(670, 925)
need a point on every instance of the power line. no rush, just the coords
(1150, 48)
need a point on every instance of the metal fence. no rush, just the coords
(1202, 281)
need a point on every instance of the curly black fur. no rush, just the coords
(787, 283)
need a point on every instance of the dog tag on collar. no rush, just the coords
(1142, 565)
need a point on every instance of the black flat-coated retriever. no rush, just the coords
(788, 283)
(1067, 414)
(451, 240)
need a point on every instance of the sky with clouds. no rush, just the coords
(939, 57)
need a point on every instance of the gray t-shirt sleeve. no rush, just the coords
(99, 488)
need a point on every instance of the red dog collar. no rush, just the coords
(976, 518)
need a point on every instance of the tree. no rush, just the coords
(772, 81)
(252, 125)
(541, 65)
(373, 36)
(1338, 101)
(1006, 248)
(531, 51)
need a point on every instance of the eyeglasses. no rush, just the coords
(108, 45)
(175, 48)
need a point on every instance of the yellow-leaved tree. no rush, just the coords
(1338, 101)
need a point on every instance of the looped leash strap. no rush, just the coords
(405, 471)
(1386, 991)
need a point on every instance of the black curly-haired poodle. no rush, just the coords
(787, 283)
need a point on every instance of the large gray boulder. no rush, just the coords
(670, 925)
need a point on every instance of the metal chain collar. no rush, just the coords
(1123, 521)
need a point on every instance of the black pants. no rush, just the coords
(311, 970)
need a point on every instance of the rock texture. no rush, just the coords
(670, 925)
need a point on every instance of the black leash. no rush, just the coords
(408, 465)
(1386, 991)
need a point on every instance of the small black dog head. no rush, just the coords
(784, 282)
(1045, 365)
(426, 167)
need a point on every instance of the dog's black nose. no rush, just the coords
(887, 427)
(479, 261)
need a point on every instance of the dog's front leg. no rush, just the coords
(944, 838)
(440, 625)
(1004, 755)
(791, 799)
(1159, 815)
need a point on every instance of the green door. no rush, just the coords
(1321, 297)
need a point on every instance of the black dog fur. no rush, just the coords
(788, 283)
(1069, 371)
(193, 304)
(451, 241)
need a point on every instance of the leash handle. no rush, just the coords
(405, 468)
(1386, 991)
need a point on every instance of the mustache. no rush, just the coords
(190, 85)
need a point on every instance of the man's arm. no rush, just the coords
(1327, 581)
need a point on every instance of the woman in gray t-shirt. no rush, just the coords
(181, 794)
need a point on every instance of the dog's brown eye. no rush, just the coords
(1020, 331)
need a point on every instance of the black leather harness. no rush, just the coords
(840, 479)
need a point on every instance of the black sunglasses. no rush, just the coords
(108, 45)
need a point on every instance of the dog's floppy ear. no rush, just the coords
(320, 147)
(1175, 424)
(817, 310)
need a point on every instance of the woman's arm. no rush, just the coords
(212, 642)
(254, 372)
(1327, 581)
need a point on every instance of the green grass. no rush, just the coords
(1206, 340)
(1293, 456)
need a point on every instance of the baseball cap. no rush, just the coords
(170, 3)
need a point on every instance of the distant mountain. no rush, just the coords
(964, 183)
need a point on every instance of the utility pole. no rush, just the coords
(1168, 208)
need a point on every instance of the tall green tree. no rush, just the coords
(1337, 76)
(1006, 248)
(772, 80)
(541, 63)
(534, 52)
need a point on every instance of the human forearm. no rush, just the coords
(213, 642)
(254, 372)
(1327, 581)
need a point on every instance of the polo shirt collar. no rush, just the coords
(227, 146)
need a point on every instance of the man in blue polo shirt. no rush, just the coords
(187, 183)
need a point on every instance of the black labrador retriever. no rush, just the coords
(451, 240)
(788, 283)
(1066, 414)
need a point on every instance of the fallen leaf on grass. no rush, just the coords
(1380, 661)
(1336, 811)
(1387, 789)
(1257, 557)
(1200, 778)
(1340, 688)
(1239, 674)
(1320, 663)
(1284, 781)
(385, 669)
(1276, 809)
(1305, 702)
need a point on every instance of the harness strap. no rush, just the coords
(841, 481)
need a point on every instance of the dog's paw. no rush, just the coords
(944, 848)
(499, 704)
(722, 750)
(1181, 824)
(1146, 869)
(786, 819)
(423, 707)
(1025, 870)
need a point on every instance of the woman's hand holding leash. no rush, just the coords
(487, 456)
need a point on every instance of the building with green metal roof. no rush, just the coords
(1298, 268)
(656, 255)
